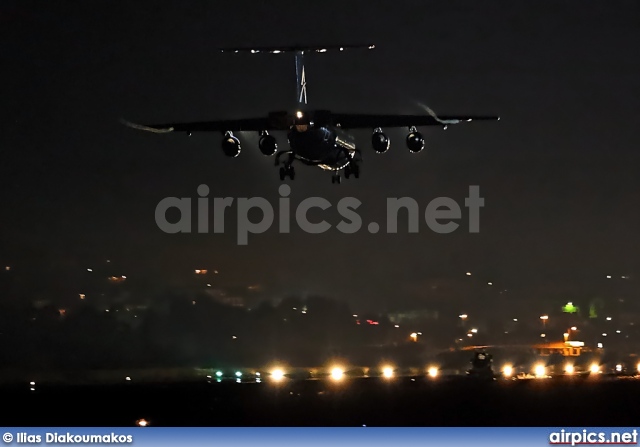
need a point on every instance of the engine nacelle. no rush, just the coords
(231, 146)
(380, 142)
(268, 145)
(415, 142)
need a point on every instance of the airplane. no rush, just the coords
(316, 137)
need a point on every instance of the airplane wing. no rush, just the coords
(251, 124)
(355, 121)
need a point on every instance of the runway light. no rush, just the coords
(277, 374)
(433, 371)
(387, 372)
(507, 371)
(540, 370)
(595, 368)
(569, 369)
(337, 373)
(142, 423)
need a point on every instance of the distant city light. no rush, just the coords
(468, 273)
(433, 371)
(32, 383)
(595, 368)
(234, 337)
(507, 370)
(463, 316)
(238, 374)
(604, 334)
(218, 373)
(142, 423)
(569, 369)
(618, 367)
(387, 372)
(608, 276)
(474, 331)
(128, 379)
(543, 335)
(515, 319)
(200, 272)
(490, 283)
(7, 268)
(397, 325)
(638, 367)
(82, 296)
(600, 346)
(609, 318)
(544, 317)
(618, 331)
(469, 335)
(89, 270)
(540, 370)
(573, 328)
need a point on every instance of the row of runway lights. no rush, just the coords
(540, 370)
(336, 374)
(388, 372)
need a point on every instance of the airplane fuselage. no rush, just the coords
(327, 147)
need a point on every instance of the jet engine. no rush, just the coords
(380, 141)
(415, 141)
(268, 145)
(231, 145)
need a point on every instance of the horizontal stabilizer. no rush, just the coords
(297, 48)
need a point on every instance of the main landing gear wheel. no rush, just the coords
(335, 178)
(287, 171)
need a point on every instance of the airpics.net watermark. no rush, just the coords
(439, 214)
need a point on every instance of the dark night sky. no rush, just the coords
(558, 172)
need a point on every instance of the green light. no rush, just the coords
(569, 308)
(218, 373)
(238, 374)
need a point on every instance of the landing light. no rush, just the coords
(337, 373)
(507, 371)
(277, 374)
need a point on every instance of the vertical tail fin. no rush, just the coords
(301, 87)
(301, 79)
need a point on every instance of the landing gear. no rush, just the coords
(287, 171)
(335, 178)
